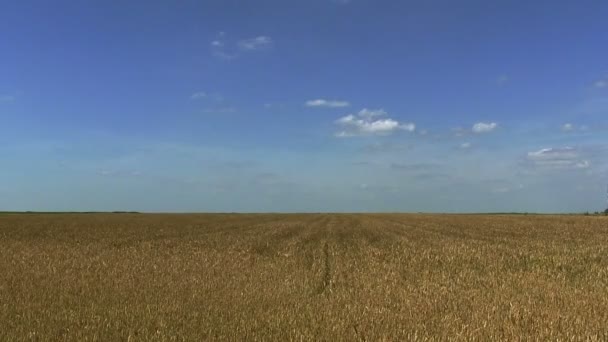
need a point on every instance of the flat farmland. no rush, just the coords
(322, 277)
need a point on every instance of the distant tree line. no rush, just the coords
(605, 212)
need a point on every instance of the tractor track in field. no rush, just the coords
(325, 283)
(326, 277)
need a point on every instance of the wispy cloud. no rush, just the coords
(601, 83)
(215, 102)
(224, 49)
(198, 95)
(369, 114)
(366, 124)
(557, 158)
(327, 103)
(484, 127)
(203, 95)
(465, 145)
(256, 43)
(567, 127)
(219, 48)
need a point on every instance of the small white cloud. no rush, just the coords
(603, 83)
(483, 127)
(256, 43)
(567, 127)
(410, 127)
(364, 124)
(327, 103)
(465, 145)
(346, 120)
(553, 153)
(218, 48)
(379, 126)
(106, 173)
(227, 50)
(198, 95)
(203, 95)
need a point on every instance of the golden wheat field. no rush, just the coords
(311, 277)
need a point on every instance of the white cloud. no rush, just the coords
(567, 127)
(483, 127)
(203, 95)
(327, 103)
(106, 173)
(256, 43)
(221, 53)
(372, 113)
(364, 124)
(551, 153)
(410, 127)
(224, 49)
(198, 95)
(558, 158)
(465, 145)
(603, 83)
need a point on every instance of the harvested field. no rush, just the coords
(303, 277)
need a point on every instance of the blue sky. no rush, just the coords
(320, 105)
